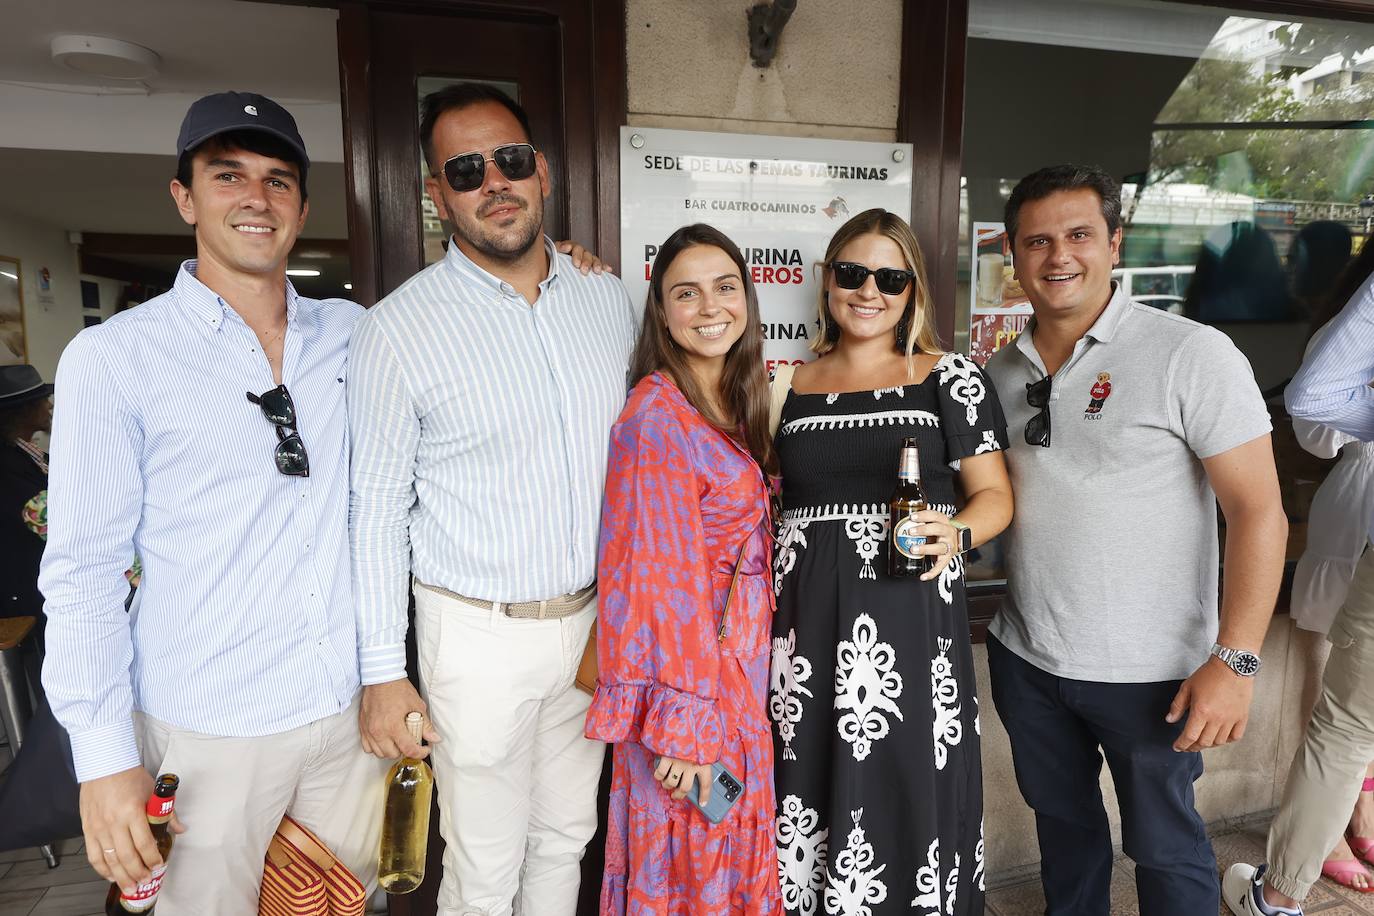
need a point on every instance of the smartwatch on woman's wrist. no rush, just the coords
(963, 536)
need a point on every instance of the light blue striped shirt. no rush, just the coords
(243, 625)
(1332, 385)
(480, 429)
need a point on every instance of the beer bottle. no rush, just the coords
(405, 819)
(907, 500)
(144, 897)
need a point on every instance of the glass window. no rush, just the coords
(1247, 159)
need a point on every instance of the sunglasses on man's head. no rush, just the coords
(1038, 426)
(467, 172)
(280, 411)
(890, 280)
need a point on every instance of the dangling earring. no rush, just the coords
(899, 333)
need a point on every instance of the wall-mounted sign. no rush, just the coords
(998, 308)
(779, 198)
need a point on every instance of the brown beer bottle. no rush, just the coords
(144, 897)
(907, 500)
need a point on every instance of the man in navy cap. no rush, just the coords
(206, 430)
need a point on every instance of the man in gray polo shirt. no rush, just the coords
(1128, 425)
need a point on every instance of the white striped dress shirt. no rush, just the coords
(244, 624)
(1332, 385)
(480, 428)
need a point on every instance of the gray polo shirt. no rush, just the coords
(1112, 552)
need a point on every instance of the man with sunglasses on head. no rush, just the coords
(206, 430)
(482, 394)
(1108, 642)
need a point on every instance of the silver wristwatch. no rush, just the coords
(1245, 664)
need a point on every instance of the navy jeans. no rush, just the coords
(1060, 730)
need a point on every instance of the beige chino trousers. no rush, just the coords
(1329, 767)
(515, 777)
(234, 792)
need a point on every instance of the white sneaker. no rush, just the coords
(1240, 888)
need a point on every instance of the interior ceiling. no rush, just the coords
(283, 51)
(287, 52)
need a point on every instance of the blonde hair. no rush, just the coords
(920, 311)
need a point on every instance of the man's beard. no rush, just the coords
(503, 246)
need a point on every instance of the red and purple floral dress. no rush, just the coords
(680, 674)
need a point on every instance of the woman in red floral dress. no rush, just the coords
(684, 678)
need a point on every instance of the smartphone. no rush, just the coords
(725, 791)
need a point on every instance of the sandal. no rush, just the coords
(1363, 846)
(1344, 871)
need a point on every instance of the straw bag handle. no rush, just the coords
(777, 394)
(288, 831)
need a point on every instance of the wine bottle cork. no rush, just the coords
(415, 723)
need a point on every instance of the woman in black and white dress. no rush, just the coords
(873, 697)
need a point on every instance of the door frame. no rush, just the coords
(594, 106)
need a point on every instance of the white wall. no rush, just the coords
(48, 326)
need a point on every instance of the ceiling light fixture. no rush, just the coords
(109, 58)
(302, 272)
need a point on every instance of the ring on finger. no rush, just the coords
(109, 852)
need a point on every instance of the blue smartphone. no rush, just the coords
(725, 791)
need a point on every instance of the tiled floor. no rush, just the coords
(29, 888)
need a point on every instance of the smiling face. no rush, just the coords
(705, 306)
(1064, 254)
(867, 312)
(501, 219)
(246, 208)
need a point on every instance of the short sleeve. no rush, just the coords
(1214, 399)
(970, 411)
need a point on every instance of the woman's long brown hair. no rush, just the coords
(743, 382)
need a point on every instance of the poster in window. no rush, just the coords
(780, 199)
(13, 348)
(999, 308)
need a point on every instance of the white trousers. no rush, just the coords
(516, 778)
(234, 792)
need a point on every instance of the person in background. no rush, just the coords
(1330, 772)
(873, 697)
(25, 409)
(1109, 642)
(1337, 534)
(686, 597)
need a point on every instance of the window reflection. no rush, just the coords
(1247, 158)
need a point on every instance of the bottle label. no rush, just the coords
(160, 808)
(906, 537)
(145, 895)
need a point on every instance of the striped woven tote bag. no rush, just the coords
(301, 877)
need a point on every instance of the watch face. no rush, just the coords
(1246, 664)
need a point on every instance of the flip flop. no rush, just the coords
(1344, 871)
(1363, 846)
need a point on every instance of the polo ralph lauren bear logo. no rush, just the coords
(1098, 394)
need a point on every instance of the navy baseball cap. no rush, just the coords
(229, 111)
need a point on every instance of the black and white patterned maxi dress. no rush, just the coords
(872, 692)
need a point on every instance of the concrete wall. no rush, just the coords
(49, 325)
(689, 68)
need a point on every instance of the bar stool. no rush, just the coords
(16, 703)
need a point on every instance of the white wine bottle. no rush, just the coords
(405, 819)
